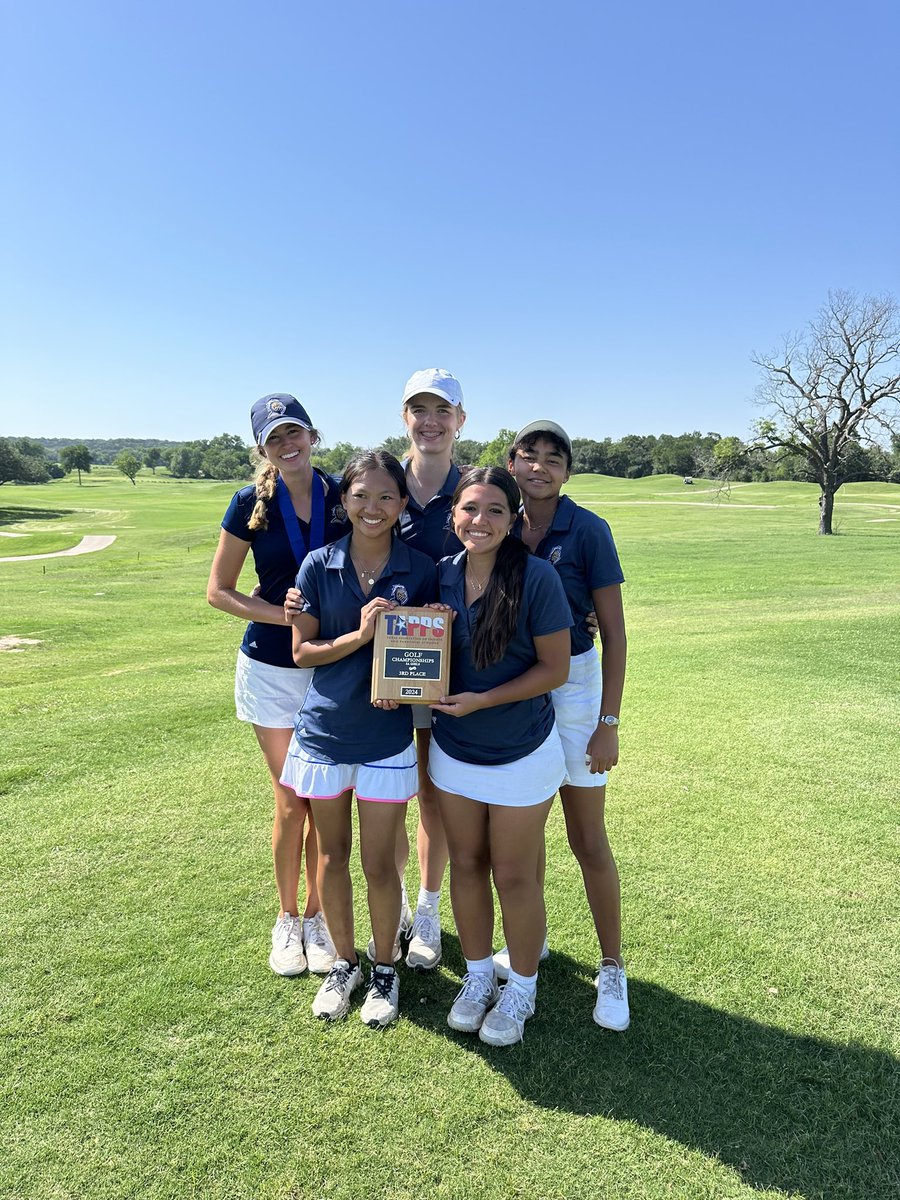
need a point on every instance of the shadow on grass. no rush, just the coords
(10, 515)
(785, 1111)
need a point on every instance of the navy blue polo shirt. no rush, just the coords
(430, 529)
(506, 732)
(336, 722)
(275, 565)
(581, 548)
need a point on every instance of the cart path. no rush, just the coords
(87, 545)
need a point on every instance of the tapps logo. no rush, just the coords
(399, 594)
(413, 626)
(555, 555)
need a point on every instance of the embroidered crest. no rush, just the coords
(555, 555)
(399, 594)
(276, 408)
(338, 514)
(448, 524)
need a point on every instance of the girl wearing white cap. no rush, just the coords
(290, 509)
(579, 545)
(433, 414)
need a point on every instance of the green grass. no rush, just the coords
(147, 1050)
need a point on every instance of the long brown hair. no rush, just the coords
(499, 615)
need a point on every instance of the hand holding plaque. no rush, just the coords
(411, 658)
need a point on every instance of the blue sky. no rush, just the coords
(589, 211)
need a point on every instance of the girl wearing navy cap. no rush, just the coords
(580, 548)
(290, 509)
(342, 744)
(496, 759)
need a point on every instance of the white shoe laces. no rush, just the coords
(611, 981)
(514, 1003)
(317, 933)
(426, 927)
(477, 988)
(288, 930)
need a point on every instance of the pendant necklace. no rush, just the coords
(476, 583)
(369, 574)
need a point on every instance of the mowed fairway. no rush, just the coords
(147, 1050)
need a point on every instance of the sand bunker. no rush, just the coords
(16, 645)
(87, 545)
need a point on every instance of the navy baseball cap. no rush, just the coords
(274, 410)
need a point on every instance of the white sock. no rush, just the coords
(431, 898)
(480, 966)
(526, 983)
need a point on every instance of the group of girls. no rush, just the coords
(531, 711)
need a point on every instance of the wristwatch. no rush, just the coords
(607, 720)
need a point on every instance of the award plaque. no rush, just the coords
(411, 661)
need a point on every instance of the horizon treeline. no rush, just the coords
(228, 457)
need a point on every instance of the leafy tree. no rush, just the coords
(637, 452)
(76, 458)
(590, 457)
(184, 463)
(468, 451)
(333, 461)
(675, 455)
(496, 451)
(23, 460)
(397, 445)
(837, 382)
(153, 458)
(729, 455)
(129, 464)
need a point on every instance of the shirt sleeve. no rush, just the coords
(308, 583)
(548, 608)
(237, 518)
(602, 566)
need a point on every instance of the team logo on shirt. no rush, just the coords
(555, 555)
(448, 523)
(276, 408)
(399, 594)
(338, 514)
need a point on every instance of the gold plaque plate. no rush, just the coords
(411, 662)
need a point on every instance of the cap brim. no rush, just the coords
(273, 425)
(433, 391)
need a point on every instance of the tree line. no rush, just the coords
(831, 396)
(694, 454)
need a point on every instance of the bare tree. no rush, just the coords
(836, 384)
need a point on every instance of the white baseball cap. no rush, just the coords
(437, 381)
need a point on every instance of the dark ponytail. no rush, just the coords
(502, 598)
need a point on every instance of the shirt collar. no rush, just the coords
(398, 563)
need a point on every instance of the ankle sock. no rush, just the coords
(480, 966)
(527, 983)
(432, 898)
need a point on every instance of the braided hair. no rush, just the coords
(265, 482)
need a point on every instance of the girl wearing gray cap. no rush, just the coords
(579, 545)
(289, 510)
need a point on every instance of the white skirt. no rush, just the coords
(391, 780)
(520, 784)
(269, 696)
(577, 706)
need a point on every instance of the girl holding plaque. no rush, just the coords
(342, 744)
(290, 509)
(496, 758)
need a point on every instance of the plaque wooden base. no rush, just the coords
(411, 661)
